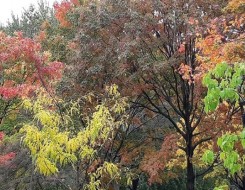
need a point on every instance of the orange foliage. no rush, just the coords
(224, 41)
(41, 36)
(186, 72)
(236, 6)
(155, 161)
(62, 9)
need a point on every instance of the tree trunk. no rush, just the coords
(135, 184)
(190, 174)
(78, 185)
(190, 184)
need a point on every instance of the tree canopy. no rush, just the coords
(129, 95)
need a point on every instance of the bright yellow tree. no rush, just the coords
(54, 143)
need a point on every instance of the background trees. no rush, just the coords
(31, 20)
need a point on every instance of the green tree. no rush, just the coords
(225, 83)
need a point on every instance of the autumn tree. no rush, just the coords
(157, 52)
(24, 68)
(223, 50)
(152, 45)
(56, 140)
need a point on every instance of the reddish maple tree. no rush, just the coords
(24, 66)
(23, 69)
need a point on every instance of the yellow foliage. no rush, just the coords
(51, 143)
(237, 6)
(108, 170)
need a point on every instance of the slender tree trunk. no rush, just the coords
(190, 184)
(78, 185)
(135, 184)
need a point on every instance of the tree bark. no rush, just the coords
(78, 185)
(190, 184)
(135, 184)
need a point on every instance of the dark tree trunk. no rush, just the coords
(78, 184)
(190, 183)
(135, 184)
(190, 174)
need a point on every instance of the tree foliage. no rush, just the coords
(223, 83)
(227, 85)
(179, 63)
(53, 143)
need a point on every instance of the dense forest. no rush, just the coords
(123, 95)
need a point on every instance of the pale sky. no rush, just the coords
(6, 6)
